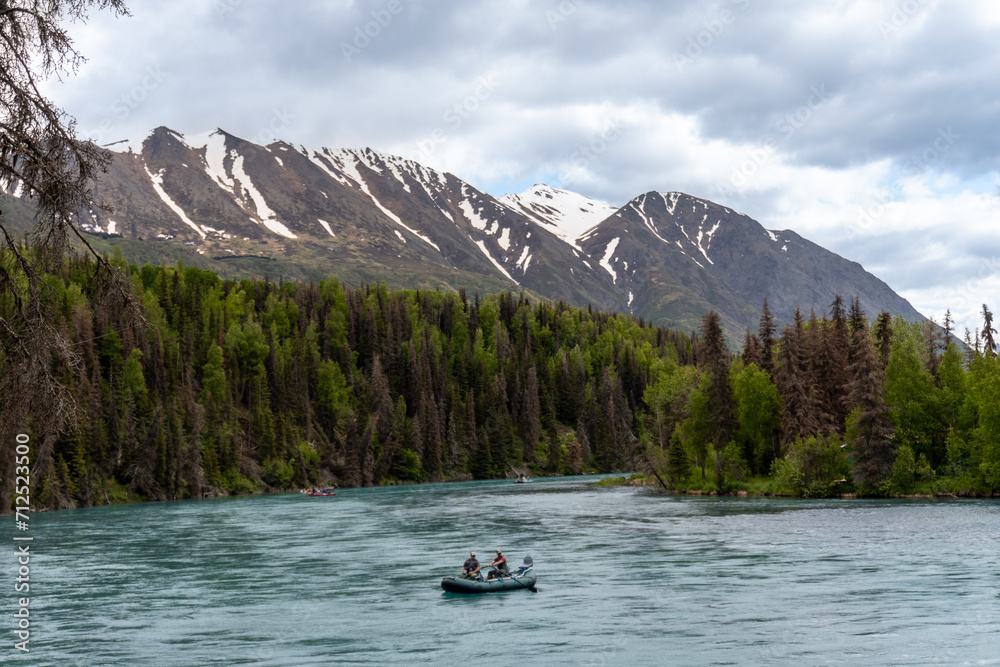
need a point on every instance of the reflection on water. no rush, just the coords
(626, 576)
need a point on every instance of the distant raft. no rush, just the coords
(511, 582)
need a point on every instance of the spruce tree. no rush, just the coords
(834, 378)
(677, 460)
(989, 343)
(798, 402)
(883, 337)
(752, 353)
(555, 449)
(530, 416)
(716, 361)
(871, 431)
(766, 334)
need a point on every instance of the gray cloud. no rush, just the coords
(692, 88)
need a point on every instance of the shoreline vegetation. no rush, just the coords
(243, 386)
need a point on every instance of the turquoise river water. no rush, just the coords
(626, 577)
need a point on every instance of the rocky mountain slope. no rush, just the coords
(218, 201)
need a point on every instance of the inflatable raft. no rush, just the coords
(511, 582)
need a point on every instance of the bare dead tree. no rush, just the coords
(41, 157)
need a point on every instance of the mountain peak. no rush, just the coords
(566, 214)
(240, 207)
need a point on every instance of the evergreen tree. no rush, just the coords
(989, 344)
(767, 333)
(798, 402)
(870, 433)
(883, 337)
(832, 360)
(752, 353)
(716, 360)
(555, 450)
(530, 415)
(677, 462)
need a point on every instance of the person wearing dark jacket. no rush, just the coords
(471, 568)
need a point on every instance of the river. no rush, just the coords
(625, 577)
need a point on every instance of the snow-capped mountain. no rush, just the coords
(221, 202)
(568, 215)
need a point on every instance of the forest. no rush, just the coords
(253, 385)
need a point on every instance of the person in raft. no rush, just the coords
(471, 568)
(500, 565)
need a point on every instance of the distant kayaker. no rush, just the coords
(471, 568)
(500, 565)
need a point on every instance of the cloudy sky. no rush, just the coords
(869, 126)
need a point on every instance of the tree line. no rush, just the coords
(236, 386)
(836, 404)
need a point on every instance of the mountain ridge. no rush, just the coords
(368, 216)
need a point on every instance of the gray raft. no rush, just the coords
(510, 582)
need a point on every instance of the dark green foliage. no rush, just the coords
(799, 404)
(716, 360)
(870, 431)
(989, 344)
(237, 386)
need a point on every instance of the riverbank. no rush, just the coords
(766, 489)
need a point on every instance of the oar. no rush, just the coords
(530, 588)
(521, 583)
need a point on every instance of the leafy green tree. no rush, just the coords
(913, 397)
(214, 377)
(757, 410)
(904, 470)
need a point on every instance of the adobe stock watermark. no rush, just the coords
(757, 158)
(153, 77)
(565, 10)
(456, 115)
(280, 120)
(22, 541)
(588, 153)
(971, 290)
(868, 215)
(365, 34)
(900, 16)
(223, 7)
(712, 30)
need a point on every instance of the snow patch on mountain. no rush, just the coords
(482, 246)
(568, 215)
(525, 260)
(646, 219)
(608, 253)
(264, 212)
(670, 201)
(504, 240)
(348, 161)
(157, 180)
(215, 157)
